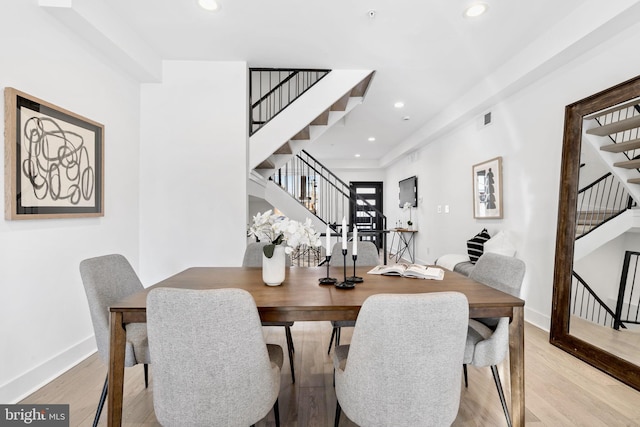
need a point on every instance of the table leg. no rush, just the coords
(516, 358)
(402, 241)
(412, 255)
(116, 370)
(391, 255)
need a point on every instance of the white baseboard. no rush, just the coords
(25, 384)
(540, 320)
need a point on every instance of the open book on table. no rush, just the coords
(409, 270)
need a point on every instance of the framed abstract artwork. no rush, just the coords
(54, 161)
(487, 189)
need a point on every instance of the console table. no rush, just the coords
(406, 244)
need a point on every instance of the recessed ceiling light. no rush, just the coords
(399, 104)
(357, 155)
(475, 10)
(406, 118)
(210, 5)
(371, 139)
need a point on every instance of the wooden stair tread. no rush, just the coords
(597, 212)
(322, 119)
(615, 127)
(628, 164)
(583, 229)
(592, 221)
(265, 164)
(622, 146)
(341, 104)
(360, 89)
(303, 134)
(633, 180)
(284, 149)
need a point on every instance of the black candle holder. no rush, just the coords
(354, 278)
(328, 280)
(346, 284)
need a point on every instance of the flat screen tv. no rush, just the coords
(409, 191)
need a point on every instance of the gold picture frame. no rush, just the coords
(487, 189)
(54, 161)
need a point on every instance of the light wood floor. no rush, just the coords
(560, 390)
(624, 343)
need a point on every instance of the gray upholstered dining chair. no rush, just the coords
(402, 367)
(253, 258)
(212, 366)
(108, 279)
(367, 256)
(488, 339)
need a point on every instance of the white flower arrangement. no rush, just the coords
(278, 230)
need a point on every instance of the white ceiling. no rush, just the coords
(424, 52)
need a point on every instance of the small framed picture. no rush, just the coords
(487, 189)
(54, 161)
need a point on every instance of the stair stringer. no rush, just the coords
(256, 185)
(628, 221)
(303, 111)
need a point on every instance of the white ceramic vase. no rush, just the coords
(273, 269)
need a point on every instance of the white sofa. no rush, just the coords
(499, 244)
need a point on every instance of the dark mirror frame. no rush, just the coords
(559, 335)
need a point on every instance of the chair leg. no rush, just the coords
(276, 413)
(288, 332)
(464, 370)
(103, 398)
(333, 335)
(338, 333)
(146, 375)
(290, 351)
(496, 378)
(338, 410)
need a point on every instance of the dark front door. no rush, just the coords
(365, 213)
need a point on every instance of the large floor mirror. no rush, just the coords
(596, 296)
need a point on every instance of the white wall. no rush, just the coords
(348, 175)
(602, 268)
(44, 319)
(256, 206)
(527, 132)
(193, 194)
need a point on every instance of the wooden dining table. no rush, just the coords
(302, 298)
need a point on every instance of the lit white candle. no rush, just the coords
(355, 240)
(344, 233)
(328, 233)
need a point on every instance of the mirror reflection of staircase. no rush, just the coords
(606, 210)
